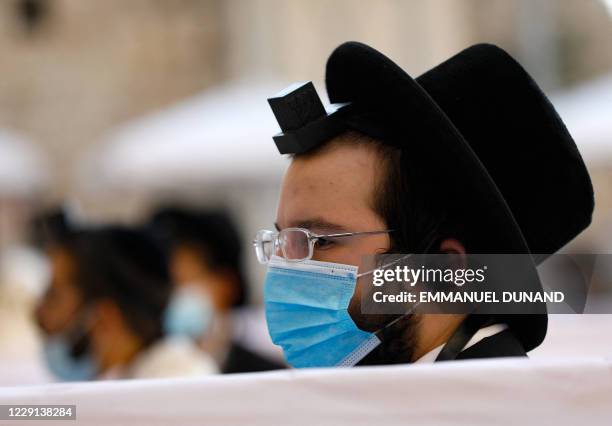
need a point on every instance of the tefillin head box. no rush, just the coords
(304, 121)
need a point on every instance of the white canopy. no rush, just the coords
(22, 168)
(477, 392)
(222, 134)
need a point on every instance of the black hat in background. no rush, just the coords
(213, 232)
(50, 227)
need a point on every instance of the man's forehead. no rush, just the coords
(325, 188)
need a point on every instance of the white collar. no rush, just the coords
(483, 333)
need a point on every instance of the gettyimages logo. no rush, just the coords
(412, 276)
(497, 284)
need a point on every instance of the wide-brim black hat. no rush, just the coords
(490, 137)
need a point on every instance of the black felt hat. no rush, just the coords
(484, 100)
(491, 139)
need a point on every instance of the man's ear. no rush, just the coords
(456, 251)
(107, 316)
(225, 288)
(452, 246)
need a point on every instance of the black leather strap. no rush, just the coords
(466, 330)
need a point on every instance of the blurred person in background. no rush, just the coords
(24, 272)
(205, 262)
(102, 313)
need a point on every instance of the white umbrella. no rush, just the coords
(220, 135)
(22, 169)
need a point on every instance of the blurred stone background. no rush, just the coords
(71, 69)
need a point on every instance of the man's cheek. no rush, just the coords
(341, 253)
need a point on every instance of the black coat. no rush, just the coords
(242, 360)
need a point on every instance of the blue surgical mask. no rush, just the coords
(61, 362)
(307, 313)
(189, 313)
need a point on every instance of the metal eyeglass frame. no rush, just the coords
(265, 236)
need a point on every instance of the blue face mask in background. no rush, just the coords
(189, 313)
(307, 313)
(58, 355)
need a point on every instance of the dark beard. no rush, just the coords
(398, 342)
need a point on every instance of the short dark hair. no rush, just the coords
(212, 232)
(125, 266)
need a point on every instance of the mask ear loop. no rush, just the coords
(466, 330)
(458, 340)
(363, 274)
(412, 309)
(406, 256)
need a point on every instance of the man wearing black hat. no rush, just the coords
(470, 157)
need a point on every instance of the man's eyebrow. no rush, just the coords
(318, 223)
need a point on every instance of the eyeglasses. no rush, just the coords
(296, 244)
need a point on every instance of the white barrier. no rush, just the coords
(501, 391)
